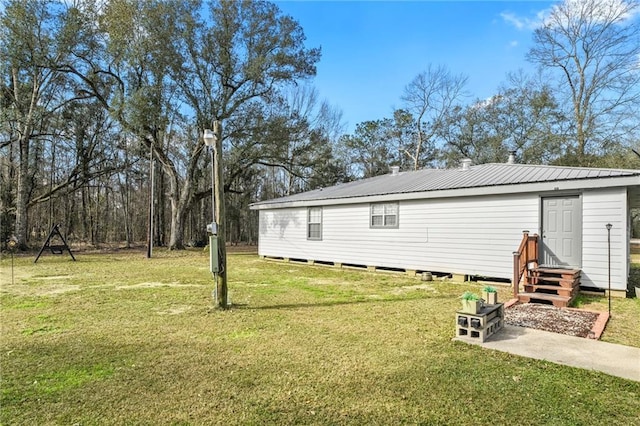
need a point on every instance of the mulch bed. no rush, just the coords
(572, 322)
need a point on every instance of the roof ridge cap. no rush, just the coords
(554, 166)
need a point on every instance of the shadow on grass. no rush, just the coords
(337, 303)
(634, 280)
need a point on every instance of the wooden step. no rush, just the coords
(554, 282)
(546, 289)
(551, 284)
(556, 271)
(550, 278)
(558, 301)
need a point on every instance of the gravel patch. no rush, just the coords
(549, 318)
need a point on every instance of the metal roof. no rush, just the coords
(428, 180)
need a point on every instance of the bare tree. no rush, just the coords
(430, 96)
(595, 45)
(301, 133)
(31, 39)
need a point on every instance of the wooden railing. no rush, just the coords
(527, 253)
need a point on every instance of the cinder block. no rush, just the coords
(482, 325)
(616, 293)
(459, 277)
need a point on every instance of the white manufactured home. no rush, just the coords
(466, 221)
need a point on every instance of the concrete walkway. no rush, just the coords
(616, 360)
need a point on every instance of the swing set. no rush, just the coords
(55, 248)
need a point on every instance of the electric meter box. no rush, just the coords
(214, 262)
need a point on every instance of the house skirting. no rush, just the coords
(455, 277)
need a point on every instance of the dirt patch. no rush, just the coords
(572, 322)
(46, 290)
(409, 288)
(154, 285)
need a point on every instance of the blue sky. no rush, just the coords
(372, 49)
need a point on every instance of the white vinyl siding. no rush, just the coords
(464, 235)
(314, 223)
(471, 235)
(384, 215)
(600, 207)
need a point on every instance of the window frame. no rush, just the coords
(384, 215)
(309, 224)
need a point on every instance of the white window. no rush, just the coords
(384, 215)
(314, 223)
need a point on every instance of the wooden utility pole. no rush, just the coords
(220, 216)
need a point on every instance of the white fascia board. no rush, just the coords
(539, 187)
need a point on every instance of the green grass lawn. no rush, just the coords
(120, 339)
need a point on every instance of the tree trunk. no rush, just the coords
(178, 201)
(24, 181)
(418, 147)
(179, 197)
(125, 193)
(22, 192)
(580, 136)
(161, 219)
(176, 241)
(84, 214)
(92, 217)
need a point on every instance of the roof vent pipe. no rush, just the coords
(395, 170)
(512, 158)
(466, 163)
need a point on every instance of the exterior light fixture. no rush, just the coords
(209, 137)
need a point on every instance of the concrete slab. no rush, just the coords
(616, 360)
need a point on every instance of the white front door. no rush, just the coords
(561, 232)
